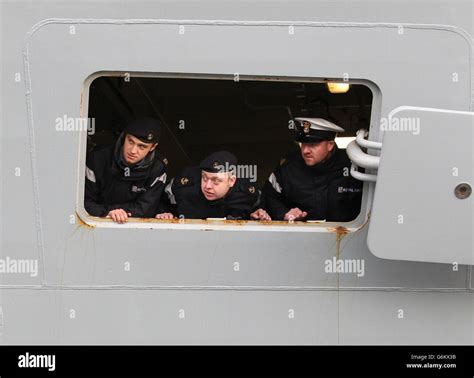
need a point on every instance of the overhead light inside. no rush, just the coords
(338, 87)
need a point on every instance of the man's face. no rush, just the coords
(134, 150)
(314, 153)
(216, 185)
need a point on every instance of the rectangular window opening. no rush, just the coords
(252, 117)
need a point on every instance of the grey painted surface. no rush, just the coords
(228, 317)
(436, 159)
(221, 305)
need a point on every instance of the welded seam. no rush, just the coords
(34, 170)
(232, 288)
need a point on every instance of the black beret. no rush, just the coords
(220, 161)
(146, 129)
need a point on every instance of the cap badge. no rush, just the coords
(216, 164)
(306, 126)
(149, 136)
(184, 180)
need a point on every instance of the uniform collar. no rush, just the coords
(136, 171)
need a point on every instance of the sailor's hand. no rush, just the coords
(295, 214)
(118, 215)
(260, 214)
(164, 216)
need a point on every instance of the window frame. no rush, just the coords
(224, 225)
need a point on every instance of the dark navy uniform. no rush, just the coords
(326, 191)
(188, 201)
(112, 184)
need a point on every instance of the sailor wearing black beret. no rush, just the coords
(315, 183)
(211, 190)
(146, 129)
(127, 178)
(221, 161)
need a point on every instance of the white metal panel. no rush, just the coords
(416, 215)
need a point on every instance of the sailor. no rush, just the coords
(211, 190)
(313, 183)
(127, 179)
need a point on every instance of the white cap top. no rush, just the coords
(319, 124)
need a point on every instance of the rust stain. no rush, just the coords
(340, 233)
(234, 222)
(339, 230)
(339, 237)
(82, 223)
(154, 220)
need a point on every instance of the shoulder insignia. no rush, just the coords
(165, 161)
